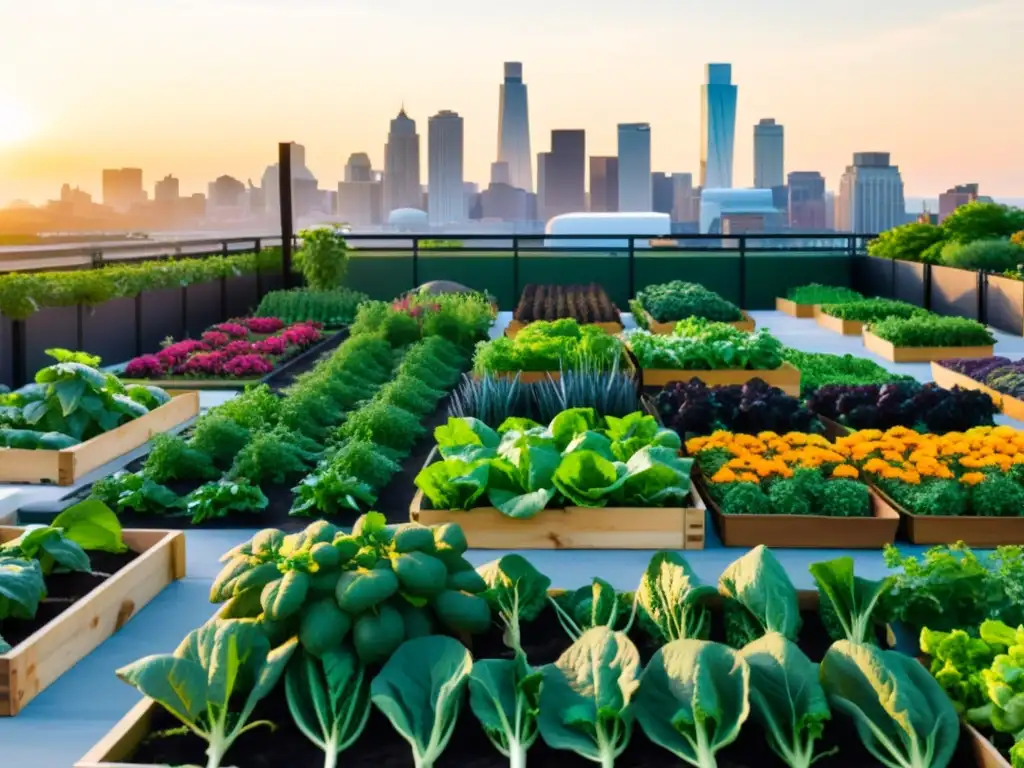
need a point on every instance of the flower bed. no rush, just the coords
(364, 683)
(923, 338)
(239, 352)
(658, 308)
(581, 482)
(963, 486)
(792, 490)
(998, 377)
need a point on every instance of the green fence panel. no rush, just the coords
(381, 275)
(562, 268)
(716, 271)
(772, 274)
(492, 272)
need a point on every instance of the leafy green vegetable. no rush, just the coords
(597, 605)
(871, 310)
(214, 501)
(504, 694)
(516, 591)
(422, 701)
(677, 299)
(50, 547)
(693, 699)
(856, 604)
(823, 294)
(957, 662)
(221, 661)
(21, 590)
(902, 715)
(713, 346)
(933, 331)
(543, 346)
(786, 698)
(671, 600)
(92, 525)
(759, 598)
(586, 694)
(171, 458)
(135, 491)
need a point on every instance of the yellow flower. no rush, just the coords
(796, 438)
(724, 475)
(767, 436)
(845, 470)
(890, 473)
(746, 477)
(875, 466)
(910, 476)
(892, 455)
(972, 478)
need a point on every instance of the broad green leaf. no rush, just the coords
(591, 441)
(764, 597)
(66, 553)
(520, 506)
(503, 694)
(92, 525)
(69, 394)
(453, 484)
(673, 600)
(21, 587)
(855, 602)
(465, 431)
(179, 685)
(328, 698)
(517, 424)
(588, 480)
(516, 591)
(569, 423)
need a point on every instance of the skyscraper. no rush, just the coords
(226, 192)
(122, 188)
(769, 154)
(359, 167)
(500, 173)
(604, 184)
(514, 127)
(685, 199)
(717, 127)
(402, 166)
(662, 193)
(954, 197)
(167, 190)
(635, 167)
(564, 173)
(806, 201)
(870, 195)
(446, 196)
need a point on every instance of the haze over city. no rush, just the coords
(200, 89)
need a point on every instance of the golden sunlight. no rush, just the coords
(16, 124)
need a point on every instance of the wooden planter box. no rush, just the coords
(573, 527)
(805, 531)
(838, 325)
(35, 663)
(69, 465)
(887, 351)
(947, 379)
(515, 327)
(665, 329)
(791, 308)
(975, 531)
(785, 377)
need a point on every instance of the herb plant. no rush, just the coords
(933, 331)
(323, 258)
(331, 308)
(135, 491)
(819, 369)
(871, 310)
(542, 346)
(214, 501)
(712, 346)
(677, 300)
(823, 294)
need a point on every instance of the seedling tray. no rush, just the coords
(893, 354)
(791, 308)
(36, 662)
(665, 329)
(69, 465)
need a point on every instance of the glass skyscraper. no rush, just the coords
(514, 128)
(717, 127)
(635, 167)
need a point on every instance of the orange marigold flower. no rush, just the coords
(767, 435)
(724, 475)
(845, 470)
(972, 478)
(747, 477)
(876, 466)
(910, 476)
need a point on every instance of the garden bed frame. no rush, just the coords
(213, 385)
(805, 531)
(514, 327)
(786, 377)
(837, 324)
(665, 329)
(947, 379)
(32, 665)
(887, 351)
(67, 466)
(791, 308)
(573, 527)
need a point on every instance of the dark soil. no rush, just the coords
(62, 591)
(544, 640)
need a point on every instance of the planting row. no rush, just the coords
(364, 647)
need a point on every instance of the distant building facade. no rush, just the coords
(685, 199)
(806, 201)
(954, 197)
(402, 165)
(769, 154)
(446, 193)
(564, 173)
(870, 195)
(514, 127)
(226, 192)
(306, 198)
(167, 190)
(358, 167)
(717, 127)
(635, 168)
(604, 184)
(122, 188)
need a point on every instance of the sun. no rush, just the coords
(16, 124)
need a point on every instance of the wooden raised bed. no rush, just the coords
(67, 466)
(887, 351)
(837, 324)
(573, 527)
(791, 308)
(32, 665)
(785, 377)
(514, 327)
(665, 329)
(948, 379)
(805, 531)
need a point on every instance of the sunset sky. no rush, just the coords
(198, 88)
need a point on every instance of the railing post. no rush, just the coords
(96, 257)
(19, 348)
(284, 184)
(415, 262)
(629, 267)
(743, 271)
(515, 271)
(259, 273)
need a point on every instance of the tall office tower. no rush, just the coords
(769, 154)
(446, 194)
(542, 183)
(122, 188)
(806, 201)
(831, 201)
(954, 197)
(870, 195)
(662, 193)
(168, 189)
(717, 127)
(360, 202)
(564, 174)
(402, 166)
(635, 167)
(359, 167)
(685, 199)
(514, 127)
(500, 173)
(604, 184)
(226, 192)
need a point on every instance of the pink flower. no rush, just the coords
(248, 366)
(216, 338)
(232, 329)
(177, 353)
(300, 334)
(145, 367)
(264, 325)
(272, 345)
(203, 364)
(236, 348)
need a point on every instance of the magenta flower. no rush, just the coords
(248, 366)
(145, 367)
(203, 364)
(300, 334)
(216, 338)
(239, 347)
(231, 329)
(272, 345)
(264, 325)
(177, 353)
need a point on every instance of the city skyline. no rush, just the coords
(843, 80)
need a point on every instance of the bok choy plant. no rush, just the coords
(516, 591)
(851, 608)
(586, 696)
(222, 660)
(671, 600)
(693, 699)
(504, 694)
(598, 605)
(759, 598)
(422, 700)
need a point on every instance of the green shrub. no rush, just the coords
(929, 330)
(677, 300)
(332, 308)
(822, 294)
(982, 221)
(323, 258)
(907, 242)
(871, 310)
(991, 255)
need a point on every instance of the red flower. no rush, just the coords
(178, 352)
(204, 364)
(300, 334)
(236, 348)
(264, 325)
(145, 367)
(232, 329)
(273, 345)
(216, 338)
(248, 366)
